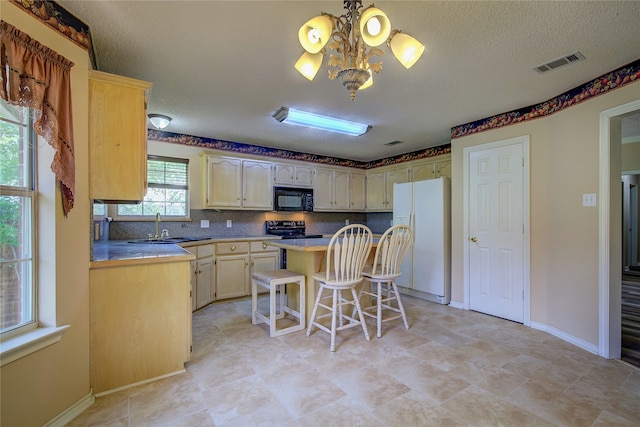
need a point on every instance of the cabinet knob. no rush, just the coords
(233, 248)
(474, 239)
(264, 246)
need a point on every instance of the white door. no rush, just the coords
(496, 232)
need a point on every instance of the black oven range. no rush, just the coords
(288, 230)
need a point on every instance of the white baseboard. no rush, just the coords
(71, 412)
(456, 304)
(150, 380)
(591, 348)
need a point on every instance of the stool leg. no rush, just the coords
(315, 309)
(379, 314)
(362, 322)
(303, 302)
(333, 319)
(400, 306)
(272, 309)
(254, 302)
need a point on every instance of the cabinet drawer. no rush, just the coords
(262, 247)
(205, 250)
(232, 248)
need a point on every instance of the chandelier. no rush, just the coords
(352, 40)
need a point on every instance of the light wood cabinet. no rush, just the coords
(117, 137)
(202, 275)
(236, 261)
(380, 188)
(331, 190)
(357, 191)
(256, 185)
(294, 175)
(432, 168)
(232, 270)
(140, 323)
(234, 183)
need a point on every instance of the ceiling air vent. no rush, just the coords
(393, 143)
(559, 62)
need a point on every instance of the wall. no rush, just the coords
(40, 386)
(564, 162)
(631, 157)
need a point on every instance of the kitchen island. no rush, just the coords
(306, 256)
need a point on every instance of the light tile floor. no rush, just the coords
(451, 368)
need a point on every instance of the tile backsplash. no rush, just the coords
(244, 223)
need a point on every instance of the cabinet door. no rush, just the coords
(256, 188)
(117, 137)
(341, 191)
(393, 177)
(204, 291)
(232, 272)
(193, 282)
(284, 174)
(304, 176)
(224, 182)
(323, 193)
(443, 168)
(375, 191)
(423, 171)
(264, 262)
(357, 191)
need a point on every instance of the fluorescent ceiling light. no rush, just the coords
(316, 121)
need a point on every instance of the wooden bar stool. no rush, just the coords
(271, 280)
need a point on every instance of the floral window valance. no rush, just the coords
(35, 76)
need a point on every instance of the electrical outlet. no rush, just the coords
(346, 222)
(391, 223)
(204, 223)
(229, 223)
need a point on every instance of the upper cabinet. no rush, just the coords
(233, 183)
(380, 188)
(292, 175)
(117, 137)
(433, 168)
(338, 190)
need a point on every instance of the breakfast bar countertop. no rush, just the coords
(302, 245)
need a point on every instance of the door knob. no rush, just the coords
(474, 239)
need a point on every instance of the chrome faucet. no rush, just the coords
(157, 221)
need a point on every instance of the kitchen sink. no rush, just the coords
(172, 240)
(159, 242)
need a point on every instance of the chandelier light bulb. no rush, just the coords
(373, 26)
(313, 36)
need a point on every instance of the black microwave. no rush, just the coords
(293, 199)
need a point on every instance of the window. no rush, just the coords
(17, 220)
(167, 190)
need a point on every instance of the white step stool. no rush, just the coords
(271, 280)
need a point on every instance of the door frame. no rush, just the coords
(524, 140)
(609, 275)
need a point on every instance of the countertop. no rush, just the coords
(307, 245)
(120, 252)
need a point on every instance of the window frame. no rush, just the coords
(112, 210)
(28, 190)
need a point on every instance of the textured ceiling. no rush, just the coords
(221, 68)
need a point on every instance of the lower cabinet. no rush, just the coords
(236, 261)
(202, 271)
(140, 323)
(232, 270)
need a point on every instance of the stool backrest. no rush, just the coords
(392, 247)
(347, 253)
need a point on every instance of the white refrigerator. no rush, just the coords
(426, 207)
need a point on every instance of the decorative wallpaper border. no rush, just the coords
(257, 150)
(55, 16)
(629, 73)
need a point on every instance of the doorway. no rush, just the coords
(610, 258)
(496, 218)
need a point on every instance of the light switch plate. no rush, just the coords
(589, 199)
(204, 223)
